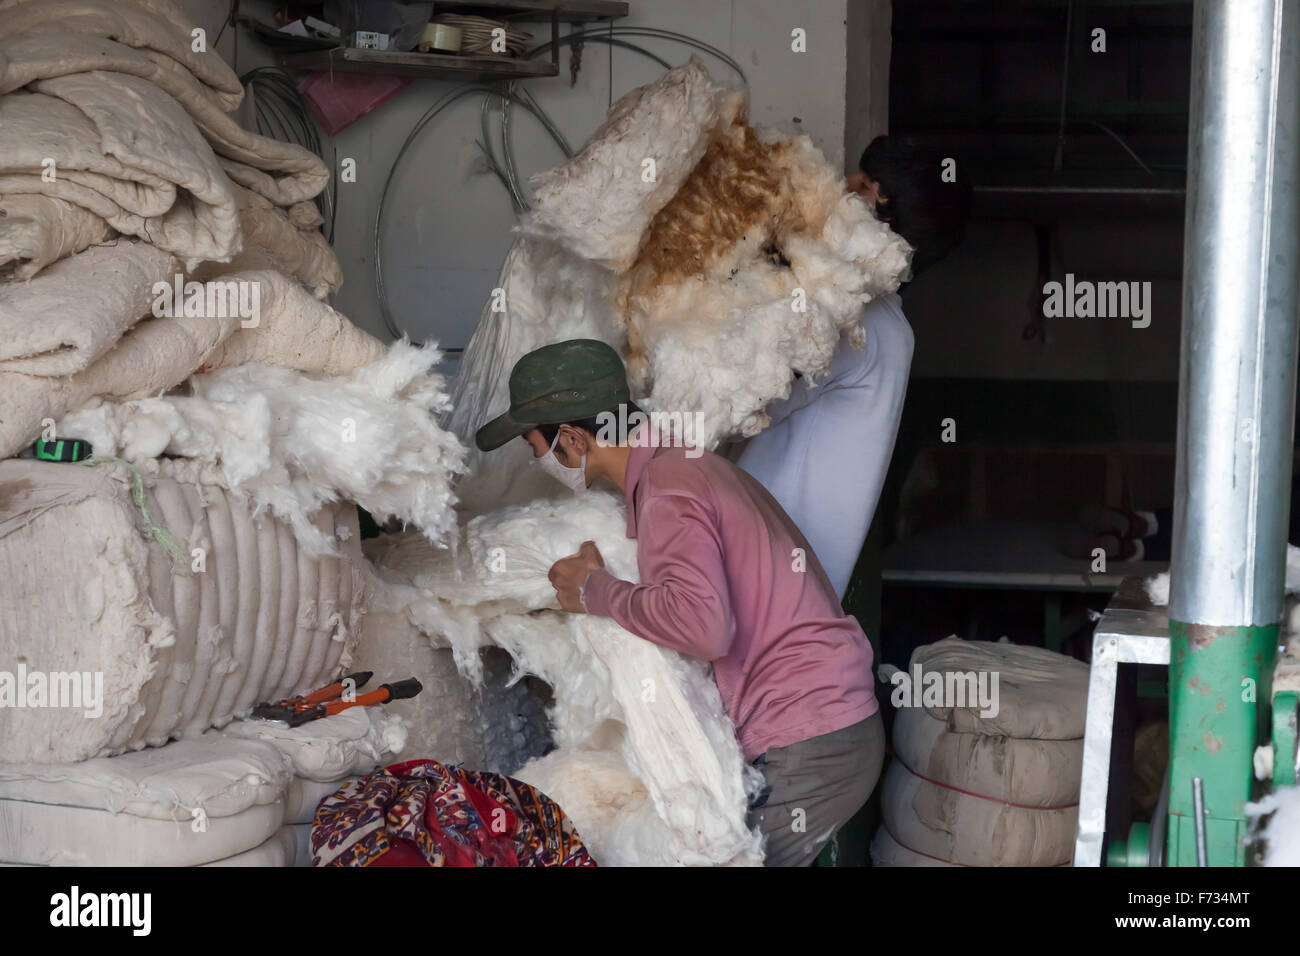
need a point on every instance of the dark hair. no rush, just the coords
(591, 425)
(916, 202)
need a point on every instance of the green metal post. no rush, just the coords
(1220, 681)
(1284, 738)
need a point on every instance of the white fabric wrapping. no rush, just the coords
(1041, 693)
(296, 331)
(885, 851)
(1040, 773)
(126, 151)
(975, 788)
(75, 311)
(288, 241)
(38, 230)
(283, 172)
(218, 798)
(157, 28)
(180, 650)
(945, 824)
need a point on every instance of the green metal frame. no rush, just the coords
(1284, 738)
(1220, 681)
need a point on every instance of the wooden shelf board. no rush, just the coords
(418, 65)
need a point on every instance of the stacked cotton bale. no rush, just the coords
(143, 233)
(163, 287)
(235, 610)
(987, 757)
(243, 796)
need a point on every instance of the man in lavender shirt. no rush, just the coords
(725, 576)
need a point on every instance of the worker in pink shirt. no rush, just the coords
(725, 576)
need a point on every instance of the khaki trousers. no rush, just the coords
(814, 787)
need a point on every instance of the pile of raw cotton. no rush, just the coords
(718, 259)
(720, 262)
(162, 296)
(988, 754)
(646, 761)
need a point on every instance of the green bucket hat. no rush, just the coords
(564, 382)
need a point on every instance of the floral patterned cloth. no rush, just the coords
(423, 813)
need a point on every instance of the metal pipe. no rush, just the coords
(1237, 391)
(1198, 807)
(1236, 409)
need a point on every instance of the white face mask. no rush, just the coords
(575, 478)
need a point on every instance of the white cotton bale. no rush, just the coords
(88, 590)
(275, 851)
(273, 240)
(345, 745)
(155, 27)
(157, 178)
(41, 834)
(288, 846)
(886, 851)
(224, 797)
(968, 830)
(303, 796)
(295, 330)
(38, 230)
(1040, 773)
(154, 356)
(285, 172)
(74, 311)
(187, 803)
(1041, 693)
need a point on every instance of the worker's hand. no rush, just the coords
(569, 575)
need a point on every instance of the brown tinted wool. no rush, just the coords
(736, 186)
(740, 185)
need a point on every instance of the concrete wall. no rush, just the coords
(866, 94)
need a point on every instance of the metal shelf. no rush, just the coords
(449, 66)
(429, 66)
(527, 11)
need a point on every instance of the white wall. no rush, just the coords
(866, 94)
